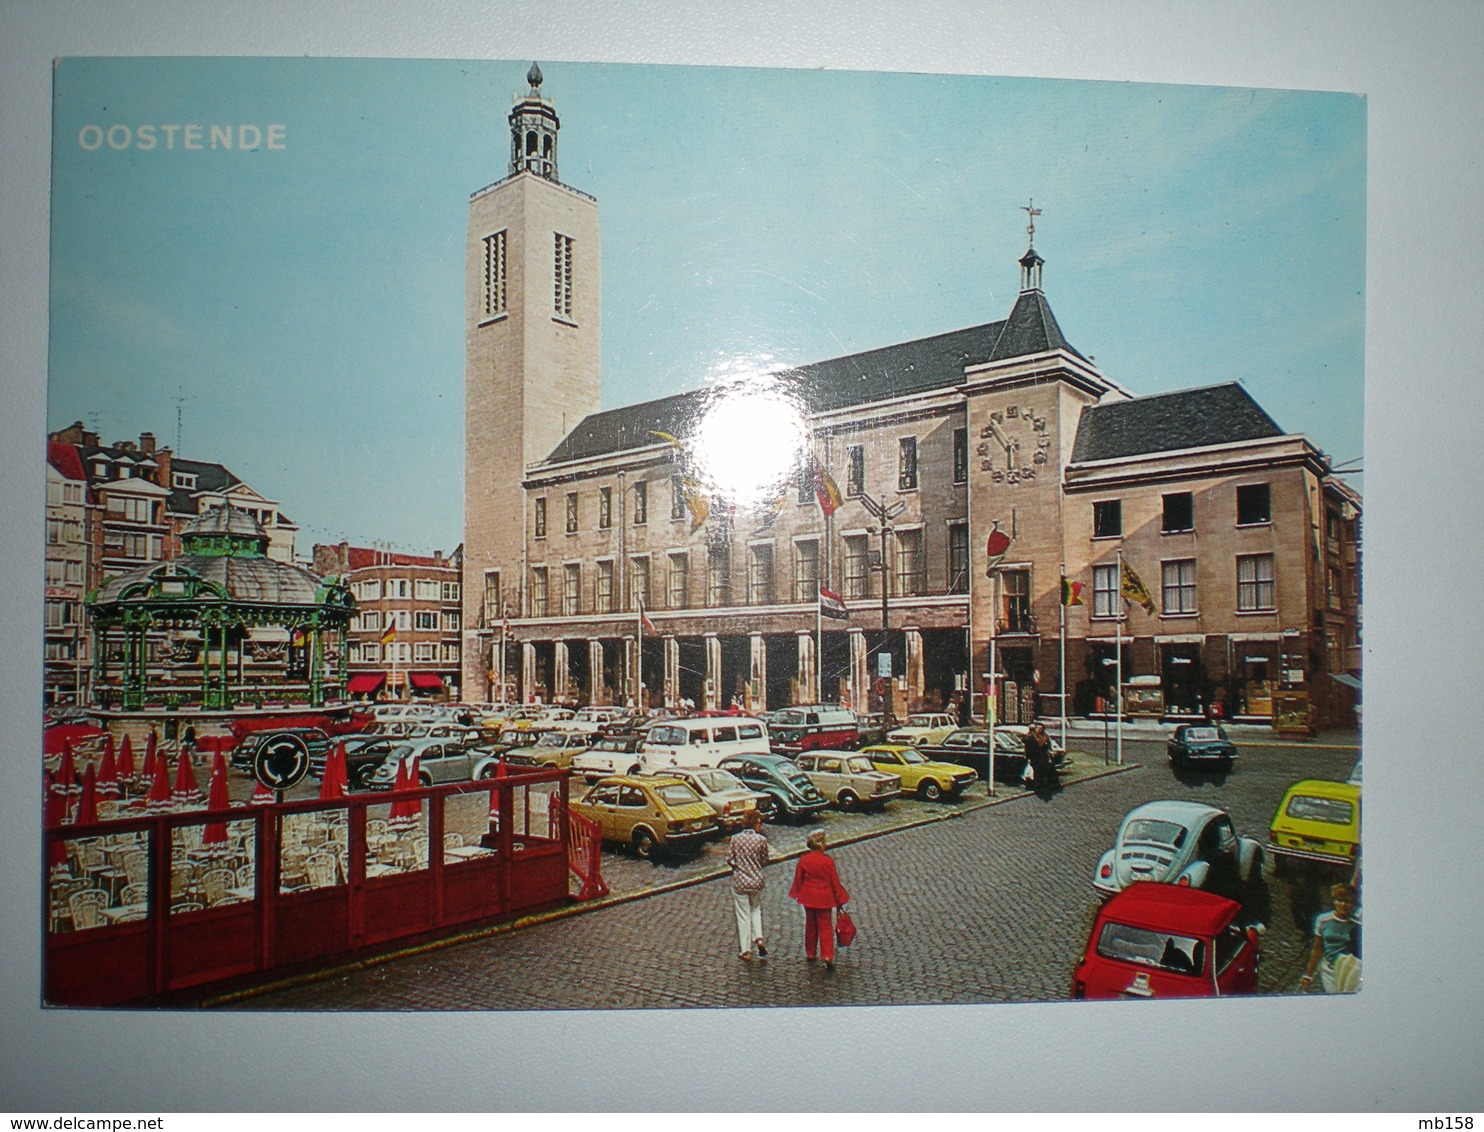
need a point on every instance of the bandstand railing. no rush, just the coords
(144, 906)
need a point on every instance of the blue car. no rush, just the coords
(792, 795)
(1201, 746)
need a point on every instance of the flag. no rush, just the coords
(645, 623)
(1071, 592)
(1134, 589)
(690, 490)
(831, 605)
(389, 634)
(297, 640)
(995, 547)
(826, 490)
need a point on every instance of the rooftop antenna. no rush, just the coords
(179, 416)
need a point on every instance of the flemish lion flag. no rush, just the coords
(1134, 589)
(389, 634)
(1071, 592)
(831, 605)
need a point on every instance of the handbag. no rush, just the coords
(844, 929)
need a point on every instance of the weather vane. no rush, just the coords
(1031, 212)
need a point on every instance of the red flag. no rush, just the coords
(1071, 592)
(826, 490)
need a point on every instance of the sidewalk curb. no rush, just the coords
(611, 901)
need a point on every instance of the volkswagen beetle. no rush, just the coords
(1182, 843)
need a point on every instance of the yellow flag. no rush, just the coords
(1135, 590)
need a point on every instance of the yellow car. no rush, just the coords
(920, 775)
(650, 814)
(1318, 822)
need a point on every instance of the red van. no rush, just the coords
(1157, 940)
(813, 727)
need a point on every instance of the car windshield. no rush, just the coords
(1166, 951)
(1155, 832)
(908, 755)
(716, 780)
(677, 794)
(1334, 811)
(668, 735)
(859, 765)
(1204, 735)
(552, 739)
(922, 721)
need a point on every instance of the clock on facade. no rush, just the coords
(1014, 444)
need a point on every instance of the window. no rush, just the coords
(369, 622)
(960, 455)
(366, 591)
(639, 581)
(538, 591)
(719, 575)
(54, 531)
(371, 653)
(400, 618)
(605, 508)
(451, 619)
(425, 619)
(806, 570)
(452, 591)
(571, 512)
(1179, 512)
(857, 567)
(60, 614)
(1015, 593)
(130, 510)
(1107, 519)
(541, 518)
(1255, 590)
(398, 588)
(1334, 587)
(450, 652)
(571, 588)
(641, 503)
(425, 651)
(760, 574)
(603, 595)
(958, 558)
(1179, 585)
(855, 470)
(494, 606)
(494, 275)
(561, 293)
(425, 590)
(1254, 504)
(909, 562)
(804, 484)
(184, 480)
(679, 594)
(677, 498)
(72, 492)
(907, 463)
(1105, 591)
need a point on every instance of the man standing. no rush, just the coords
(747, 854)
(1038, 754)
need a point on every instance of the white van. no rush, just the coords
(701, 742)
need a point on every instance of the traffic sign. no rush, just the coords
(282, 760)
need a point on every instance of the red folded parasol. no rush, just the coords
(67, 771)
(108, 775)
(87, 806)
(187, 793)
(60, 735)
(215, 835)
(261, 795)
(501, 770)
(405, 811)
(159, 787)
(108, 745)
(53, 816)
(126, 760)
(333, 782)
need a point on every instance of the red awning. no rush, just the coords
(428, 680)
(364, 683)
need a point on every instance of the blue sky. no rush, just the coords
(307, 303)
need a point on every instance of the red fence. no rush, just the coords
(144, 906)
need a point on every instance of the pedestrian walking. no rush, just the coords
(747, 854)
(1336, 950)
(817, 887)
(1038, 754)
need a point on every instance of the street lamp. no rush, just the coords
(884, 514)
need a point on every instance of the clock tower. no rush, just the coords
(532, 364)
(1023, 408)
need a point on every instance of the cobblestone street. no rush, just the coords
(992, 905)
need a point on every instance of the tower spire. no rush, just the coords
(533, 131)
(1030, 263)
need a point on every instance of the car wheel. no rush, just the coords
(424, 778)
(485, 773)
(633, 769)
(644, 844)
(847, 800)
(931, 791)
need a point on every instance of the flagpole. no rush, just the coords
(1118, 662)
(1061, 616)
(818, 643)
(639, 660)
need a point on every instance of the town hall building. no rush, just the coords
(973, 499)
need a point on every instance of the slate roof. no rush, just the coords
(254, 580)
(857, 379)
(1030, 329)
(1165, 422)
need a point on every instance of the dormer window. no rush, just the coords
(184, 480)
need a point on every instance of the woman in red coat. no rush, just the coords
(817, 887)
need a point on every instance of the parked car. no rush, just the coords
(1164, 941)
(1182, 843)
(363, 754)
(650, 814)
(793, 795)
(923, 729)
(1203, 746)
(608, 755)
(848, 779)
(813, 727)
(920, 775)
(593, 719)
(701, 741)
(553, 748)
(438, 761)
(1319, 822)
(727, 795)
(315, 740)
(970, 747)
